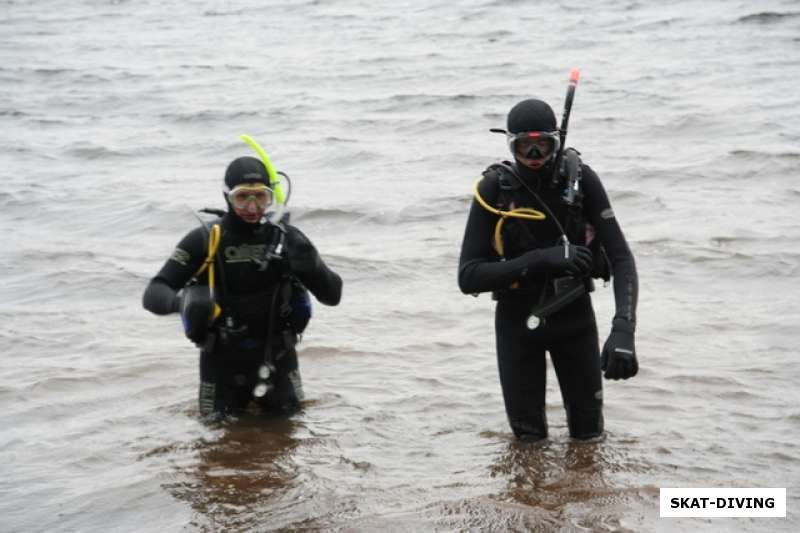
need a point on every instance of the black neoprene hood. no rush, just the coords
(531, 115)
(245, 170)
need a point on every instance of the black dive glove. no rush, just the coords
(195, 307)
(573, 260)
(619, 353)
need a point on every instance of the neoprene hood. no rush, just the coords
(245, 170)
(531, 115)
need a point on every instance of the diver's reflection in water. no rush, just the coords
(574, 484)
(547, 472)
(241, 475)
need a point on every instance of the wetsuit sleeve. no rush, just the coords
(480, 269)
(600, 214)
(306, 264)
(160, 294)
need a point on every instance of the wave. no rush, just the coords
(49, 122)
(628, 194)
(747, 247)
(435, 209)
(404, 102)
(57, 256)
(331, 215)
(503, 3)
(215, 13)
(766, 17)
(81, 380)
(12, 113)
(773, 456)
(8, 200)
(654, 24)
(757, 154)
(73, 75)
(440, 347)
(493, 35)
(722, 382)
(361, 268)
(92, 151)
(316, 352)
(725, 240)
(53, 71)
(726, 260)
(209, 115)
(187, 66)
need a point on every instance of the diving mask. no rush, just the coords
(534, 144)
(242, 195)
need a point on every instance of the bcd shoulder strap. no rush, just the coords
(505, 174)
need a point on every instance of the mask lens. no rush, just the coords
(534, 144)
(244, 194)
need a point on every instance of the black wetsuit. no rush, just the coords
(248, 285)
(570, 334)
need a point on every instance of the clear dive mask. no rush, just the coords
(243, 195)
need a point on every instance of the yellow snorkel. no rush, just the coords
(274, 180)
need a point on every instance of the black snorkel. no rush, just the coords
(562, 133)
(565, 163)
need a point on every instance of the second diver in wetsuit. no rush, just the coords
(245, 304)
(541, 280)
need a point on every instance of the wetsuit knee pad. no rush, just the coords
(584, 423)
(531, 427)
(207, 398)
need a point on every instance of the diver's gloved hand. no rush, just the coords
(195, 306)
(576, 261)
(618, 359)
(160, 298)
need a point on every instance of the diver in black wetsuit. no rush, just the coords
(541, 282)
(258, 276)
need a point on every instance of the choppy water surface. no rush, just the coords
(119, 117)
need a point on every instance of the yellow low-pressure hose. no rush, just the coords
(213, 244)
(526, 213)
